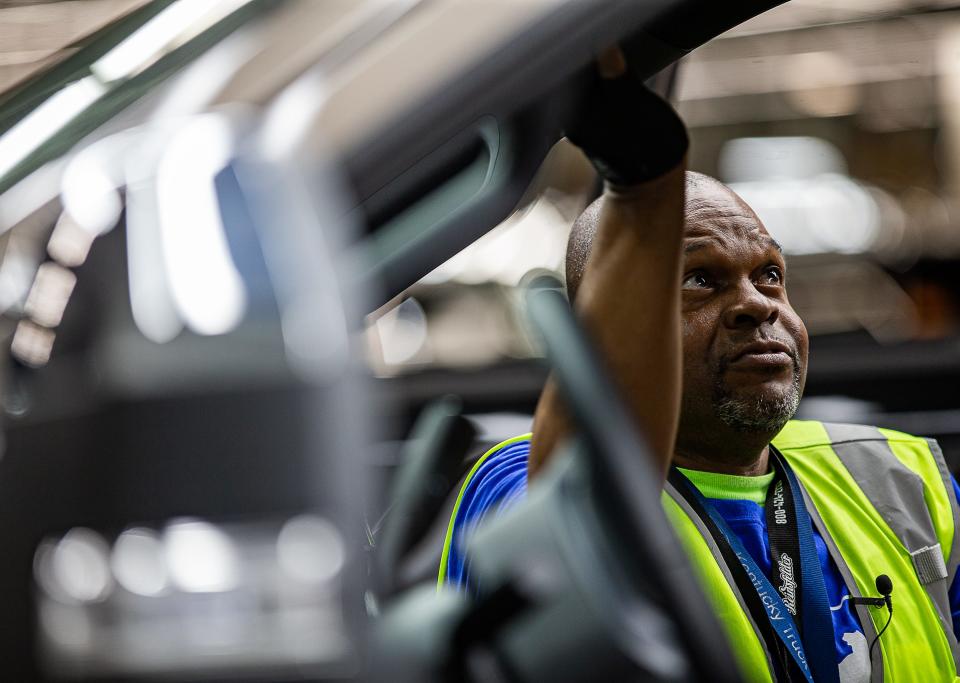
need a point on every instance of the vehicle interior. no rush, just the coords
(270, 268)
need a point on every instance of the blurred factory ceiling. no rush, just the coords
(864, 66)
(36, 34)
(799, 13)
(877, 80)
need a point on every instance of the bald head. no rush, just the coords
(706, 199)
(744, 347)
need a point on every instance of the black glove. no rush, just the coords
(629, 133)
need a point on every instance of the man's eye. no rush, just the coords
(696, 280)
(772, 276)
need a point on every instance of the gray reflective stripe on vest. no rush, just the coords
(715, 551)
(897, 494)
(954, 560)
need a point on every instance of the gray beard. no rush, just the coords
(758, 414)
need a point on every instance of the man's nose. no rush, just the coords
(749, 308)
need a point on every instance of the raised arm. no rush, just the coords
(629, 297)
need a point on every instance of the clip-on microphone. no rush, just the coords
(885, 588)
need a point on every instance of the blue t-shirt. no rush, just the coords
(501, 479)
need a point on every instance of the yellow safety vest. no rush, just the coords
(884, 503)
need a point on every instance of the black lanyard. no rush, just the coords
(784, 539)
(797, 578)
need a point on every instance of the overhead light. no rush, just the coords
(201, 558)
(28, 134)
(207, 290)
(822, 215)
(800, 189)
(779, 157)
(138, 562)
(174, 25)
(76, 567)
(151, 302)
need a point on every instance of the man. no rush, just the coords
(787, 523)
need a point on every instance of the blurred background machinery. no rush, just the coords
(179, 496)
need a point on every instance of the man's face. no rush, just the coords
(744, 347)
